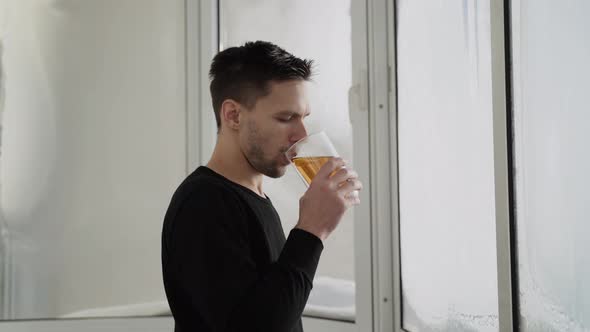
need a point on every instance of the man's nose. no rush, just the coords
(300, 132)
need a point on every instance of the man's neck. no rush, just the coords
(233, 165)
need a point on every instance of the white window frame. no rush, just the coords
(382, 30)
(500, 105)
(382, 159)
(359, 118)
(202, 40)
(373, 114)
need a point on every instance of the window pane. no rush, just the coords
(92, 146)
(551, 134)
(318, 31)
(447, 219)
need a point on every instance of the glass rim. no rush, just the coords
(304, 139)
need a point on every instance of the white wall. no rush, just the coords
(93, 144)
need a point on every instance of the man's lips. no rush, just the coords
(285, 160)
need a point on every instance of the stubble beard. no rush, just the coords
(257, 158)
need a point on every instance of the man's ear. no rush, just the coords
(230, 114)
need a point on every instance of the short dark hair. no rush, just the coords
(243, 73)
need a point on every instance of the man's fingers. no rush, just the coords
(344, 174)
(329, 167)
(353, 197)
(349, 186)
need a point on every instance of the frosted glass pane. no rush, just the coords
(447, 219)
(318, 30)
(551, 49)
(92, 146)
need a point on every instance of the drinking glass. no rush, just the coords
(309, 155)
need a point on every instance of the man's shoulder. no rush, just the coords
(202, 205)
(203, 195)
(204, 186)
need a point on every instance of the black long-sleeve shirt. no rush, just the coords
(226, 264)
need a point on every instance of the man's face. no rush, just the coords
(273, 125)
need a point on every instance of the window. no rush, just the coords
(551, 133)
(446, 169)
(92, 147)
(320, 31)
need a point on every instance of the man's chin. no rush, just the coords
(277, 172)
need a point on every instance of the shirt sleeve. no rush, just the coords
(217, 272)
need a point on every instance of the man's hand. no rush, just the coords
(333, 190)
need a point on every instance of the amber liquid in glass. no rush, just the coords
(308, 167)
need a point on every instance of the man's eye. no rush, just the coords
(285, 119)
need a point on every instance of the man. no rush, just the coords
(226, 263)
